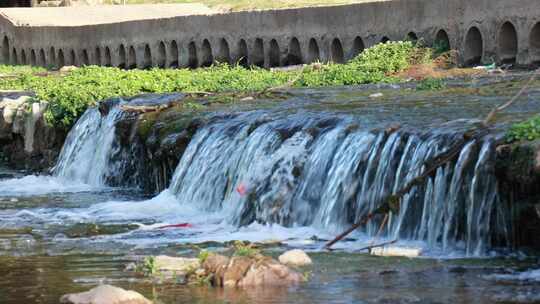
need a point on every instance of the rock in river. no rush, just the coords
(105, 294)
(295, 257)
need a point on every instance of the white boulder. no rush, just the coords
(105, 294)
(295, 257)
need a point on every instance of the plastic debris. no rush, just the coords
(181, 225)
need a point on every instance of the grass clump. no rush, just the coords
(245, 250)
(431, 84)
(69, 95)
(148, 267)
(527, 130)
(203, 255)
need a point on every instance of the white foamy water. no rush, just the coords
(163, 210)
(39, 185)
(532, 275)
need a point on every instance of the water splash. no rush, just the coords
(85, 155)
(327, 175)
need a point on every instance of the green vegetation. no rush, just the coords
(431, 84)
(148, 267)
(70, 94)
(527, 130)
(203, 255)
(245, 250)
(6, 70)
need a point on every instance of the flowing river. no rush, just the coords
(312, 164)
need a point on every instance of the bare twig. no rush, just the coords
(380, 229)
(491, 116)
(287, 85)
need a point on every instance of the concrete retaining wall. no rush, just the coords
(481, 30)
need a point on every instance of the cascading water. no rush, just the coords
(310, 169)
(85, 156)
(304, 170)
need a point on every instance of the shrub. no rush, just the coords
(527, 130)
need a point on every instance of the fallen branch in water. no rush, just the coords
(378, 245)
(391, 203)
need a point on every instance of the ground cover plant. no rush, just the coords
(70, 94)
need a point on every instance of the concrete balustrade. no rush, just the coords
(505, 31)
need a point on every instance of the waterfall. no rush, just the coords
(310, 170)
(321, 170)
(93, 153)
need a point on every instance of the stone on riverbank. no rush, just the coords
(269, 272)
(105, 294)
(26, 140)
(170, 268)
(295, 257)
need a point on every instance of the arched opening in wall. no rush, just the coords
(173, 62)
(162, 55)
(147, 63)
(273, 54)
(358, 47)
(257, 56)
(23, 57)
(108, 58)
(474, 47)
(206, 54)
(33, 58)
(242, 57)
(73, 58)
(534, 44)
(61, 60)
(99, 59)
(336, 51)
(52, 57)
(193, 61)
(85, 58)
(224, 54)
(132, 58)
(42, 59)
(5, 50)
(411, 36)
(441, 44)
(122, 58)
(14, 58)
(385, 39)
(313, 51)
(508, 43)
(294, 54)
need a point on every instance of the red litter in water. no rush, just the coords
(181, 225)
(241, 189)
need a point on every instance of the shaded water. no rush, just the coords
(311, 165)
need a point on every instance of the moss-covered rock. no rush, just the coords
(518, 173)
